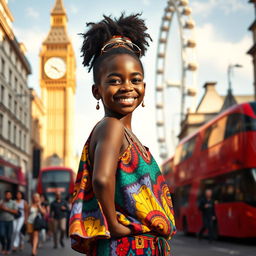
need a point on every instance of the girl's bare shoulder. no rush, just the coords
(109, 127)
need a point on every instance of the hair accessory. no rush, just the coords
(98, 105)
(121, 41)
(143, 104)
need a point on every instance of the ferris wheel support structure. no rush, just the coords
(187, 55)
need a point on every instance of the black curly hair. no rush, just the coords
(131, 26)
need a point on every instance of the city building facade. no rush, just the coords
(15, 104)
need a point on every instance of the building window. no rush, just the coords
(10, 77)
(16, 85)
(20, 115)
(2, 94)
(20, 139)
(10, 102)
(15, 107)
(9, 129)
(2, 67)
(25, 118)
(25, 144)
(14, 134)
(1, 123)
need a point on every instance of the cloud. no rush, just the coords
(73, 9)
(214, 50)
(32, 38)
(204, 8)
(146, 2)
(31, 12)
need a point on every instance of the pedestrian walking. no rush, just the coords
(69, 204)
(44, 231)
(206, 206)
(122, 204)
(8, 209)
(58, 212)
(35, 222)
(18, 222)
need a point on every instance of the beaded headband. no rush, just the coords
(121, 41)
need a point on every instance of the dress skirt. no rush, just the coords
(145, 244)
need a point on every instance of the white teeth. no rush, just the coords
(128, 100)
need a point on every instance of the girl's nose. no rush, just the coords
(127, 86)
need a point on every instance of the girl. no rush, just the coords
(121, 205)
(34, 209)
(19, 222)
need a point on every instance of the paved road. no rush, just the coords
(191, 246)
(181, 246)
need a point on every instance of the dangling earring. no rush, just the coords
(143, 104)
(98, 105)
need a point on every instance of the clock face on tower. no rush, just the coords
(55, 68)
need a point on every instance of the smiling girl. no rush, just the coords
(121, 204)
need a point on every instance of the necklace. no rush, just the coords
(133, 139)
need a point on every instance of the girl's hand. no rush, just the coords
(120, 230)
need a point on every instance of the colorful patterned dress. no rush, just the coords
(142, 201)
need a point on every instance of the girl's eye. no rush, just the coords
(136, 80)
(114, 81)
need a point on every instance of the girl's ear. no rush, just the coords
(95, 92)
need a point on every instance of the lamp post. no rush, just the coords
(230, 72)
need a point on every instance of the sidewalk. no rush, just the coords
(47, 250)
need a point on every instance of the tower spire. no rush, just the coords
(58, 8)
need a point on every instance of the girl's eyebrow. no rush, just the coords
(120, 75)
(114, 74)
(136, 73)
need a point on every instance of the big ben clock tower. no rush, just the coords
(57, 82)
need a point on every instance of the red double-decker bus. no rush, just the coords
(55, 179)
(221, 156)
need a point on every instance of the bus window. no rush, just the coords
(212, 184)
(246, 186)
(214, 134)
(185, 150)
(249, 123)
(234, 124)
(177, 157)
(180, 198)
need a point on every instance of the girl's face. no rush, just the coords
(36, 198)
(19, 195)
(121, 87)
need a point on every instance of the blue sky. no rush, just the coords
(221, 33)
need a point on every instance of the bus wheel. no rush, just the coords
(185, 226)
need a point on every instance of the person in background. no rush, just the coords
(19, 222)
(34, 209)
(46, 205)
(206, 206)
(69, 203)
(58, 211)
(8, 209)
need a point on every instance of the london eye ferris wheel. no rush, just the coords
(177, 13)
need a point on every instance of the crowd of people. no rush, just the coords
(39, 220)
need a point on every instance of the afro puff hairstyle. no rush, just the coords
(98, 34)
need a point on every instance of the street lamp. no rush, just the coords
(230, 72)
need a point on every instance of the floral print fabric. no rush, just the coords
(142, 200)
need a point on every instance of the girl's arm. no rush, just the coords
(106, 154)
(26, 211)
